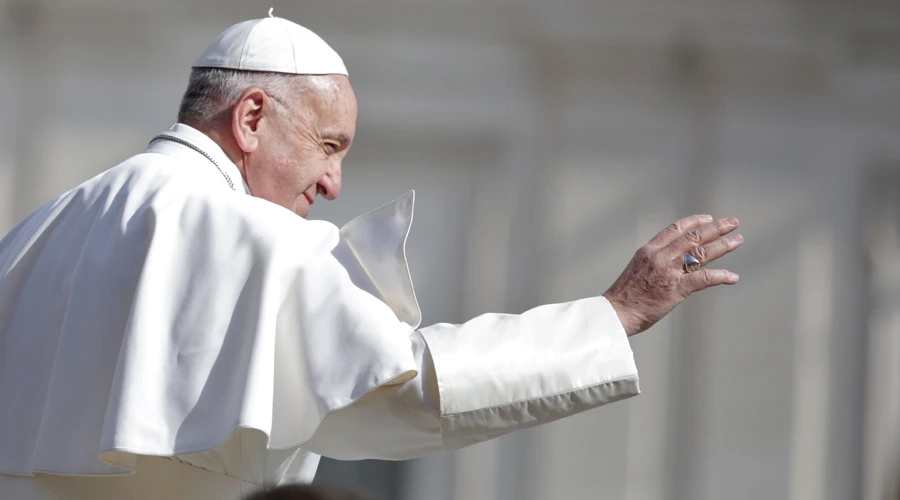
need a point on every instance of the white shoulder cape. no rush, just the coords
(140, 315)
(152, 311)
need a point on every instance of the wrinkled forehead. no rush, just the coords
(325, 95)
(332, 99)
(338, 94)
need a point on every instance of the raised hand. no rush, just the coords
(656, 280)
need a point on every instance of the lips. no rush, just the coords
(310, 199)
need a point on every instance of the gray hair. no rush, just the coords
(211, 92)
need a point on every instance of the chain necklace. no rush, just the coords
(178, 140)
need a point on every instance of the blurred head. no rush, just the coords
(287, 134)
(308, 492)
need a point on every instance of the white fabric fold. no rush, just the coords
(373, 251)
(153, 311)
(487, 377)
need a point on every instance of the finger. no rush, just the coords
(712, 251)
(705, 278)
(701, 235)
(678, 228)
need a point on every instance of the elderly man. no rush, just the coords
(175, 328)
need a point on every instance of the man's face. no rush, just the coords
(300, 153)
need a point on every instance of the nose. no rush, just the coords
(330, 185)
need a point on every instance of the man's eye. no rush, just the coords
(330, 147)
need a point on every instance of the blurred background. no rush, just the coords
(546, 141)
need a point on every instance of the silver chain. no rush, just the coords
(167, 137)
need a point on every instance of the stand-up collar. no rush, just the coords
(205, 144)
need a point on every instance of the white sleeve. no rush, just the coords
(487, 377)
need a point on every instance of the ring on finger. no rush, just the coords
(691, 263)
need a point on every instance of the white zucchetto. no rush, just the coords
(272, 44)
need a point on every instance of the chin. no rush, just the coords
(302, 207)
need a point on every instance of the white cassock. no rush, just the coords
(192, 341)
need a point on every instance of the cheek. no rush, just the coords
(285, 173)
(271, 178)
(310, 170)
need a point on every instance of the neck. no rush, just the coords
(225, 141)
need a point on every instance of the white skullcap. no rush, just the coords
(272, 44)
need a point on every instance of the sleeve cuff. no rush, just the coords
(498, 373)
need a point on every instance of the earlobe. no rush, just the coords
(245, 118)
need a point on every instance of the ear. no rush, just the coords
(246, 117)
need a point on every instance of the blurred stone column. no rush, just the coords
(881, 453)
(809, 429)
(848, 340)
(21, 129)
(694, 82)
(539, 134)
(18, 21)
(8, 45)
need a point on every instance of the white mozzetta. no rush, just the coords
(154, 311)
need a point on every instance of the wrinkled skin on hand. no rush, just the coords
(655, 282)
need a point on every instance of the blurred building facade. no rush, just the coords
(546, 141)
